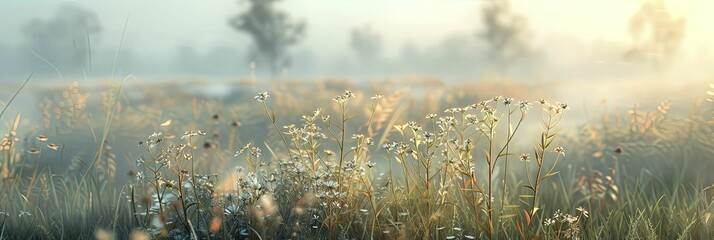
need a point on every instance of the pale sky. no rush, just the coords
(162, 25)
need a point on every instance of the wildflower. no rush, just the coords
(244, 196)
(155, 135)
(472, 119)
(377, 97)
(487, 110)
(583, 211)
(524, 157)
(429, 137)
(342, 98)
(33, 151)
(254, 183)
(139, 161)
(42, 138)
(189, 134)
(414, 126)
(508, 101)
(300, 169)
(261, 97)
(331, 185)
(389, 146)
(255, 151)
(231, 209)
(52, 146)
(563, 106)
(548, 222)
(431, 116)
(24, 213)
(524, 106)
(371, 164)
(168, 184)
(449, 120)
(559, 150)
(570, 218)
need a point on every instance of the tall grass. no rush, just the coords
(335, 173)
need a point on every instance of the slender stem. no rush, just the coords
(277, 129)
(342, 146)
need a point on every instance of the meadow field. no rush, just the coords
(409, 158)
(369, 119)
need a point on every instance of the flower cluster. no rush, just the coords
(261, 97)
(344, 97)
(568, 226)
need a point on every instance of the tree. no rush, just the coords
(505, 32)
(63, 39)
(655, 34)
(366, 43)
(272, 31)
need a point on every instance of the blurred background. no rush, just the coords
(456, 40)
(586, 53)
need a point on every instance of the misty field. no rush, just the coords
(383, 161)
(370, 119)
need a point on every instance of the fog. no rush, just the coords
(451, 40)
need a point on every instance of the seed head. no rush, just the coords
(559, 150)
(261, 97)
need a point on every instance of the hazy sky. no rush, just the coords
(160, 26)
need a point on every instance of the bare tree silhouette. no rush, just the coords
(272, 31)
(506, 33)
(655, 34)
(63, 39)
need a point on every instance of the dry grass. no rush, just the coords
(314, 161)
